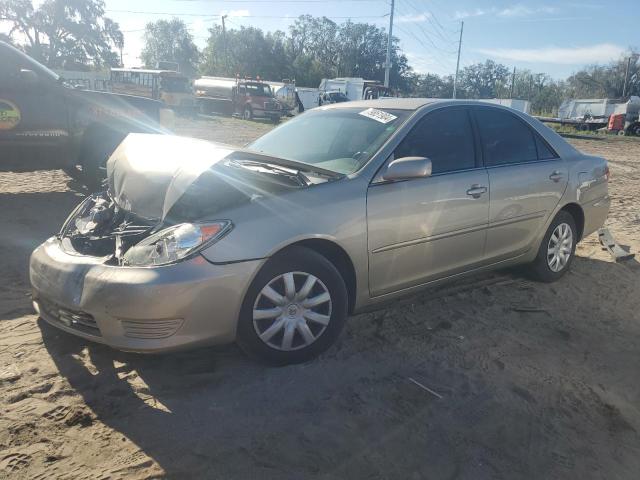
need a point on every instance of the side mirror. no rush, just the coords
(406, 168)
(28, 77)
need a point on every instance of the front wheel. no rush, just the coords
(557, 249)
(294, 309)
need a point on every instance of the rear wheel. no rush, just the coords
(557, 249)
(294, 309)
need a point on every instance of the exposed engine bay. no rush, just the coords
(161, 207)
(100, 228)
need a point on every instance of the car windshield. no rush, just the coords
(341, 140)
(259, 90)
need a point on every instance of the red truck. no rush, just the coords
(246, 98)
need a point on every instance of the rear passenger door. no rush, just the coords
(428, 228)
(527, 181)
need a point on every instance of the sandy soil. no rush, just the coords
(492, 377)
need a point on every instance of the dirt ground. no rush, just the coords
(493, 377)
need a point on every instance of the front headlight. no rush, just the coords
(175, 243)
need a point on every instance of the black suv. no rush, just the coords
(46, 123)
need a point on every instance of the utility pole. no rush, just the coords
(455, 79)
(224, 45)
(626, 78)
(513, 82)
(387, 63)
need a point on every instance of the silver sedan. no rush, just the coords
(338, 210)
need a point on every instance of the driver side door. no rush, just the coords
(425, 229)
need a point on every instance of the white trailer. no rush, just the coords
(614, 114)
(354, 88)
(286, 93)
(520, 105)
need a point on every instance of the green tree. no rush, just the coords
(315, 48)
(431, 85)
(485, 80)
(170, 40)
(64, 33)
(249, 52)
(606, 81)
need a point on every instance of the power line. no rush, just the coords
(433, 20)
(431, 41)
(214, 16)
(441, 61)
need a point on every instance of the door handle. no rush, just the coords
(476, 191)
(556, 176)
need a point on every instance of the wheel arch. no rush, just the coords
(577, 213)
(337, 256)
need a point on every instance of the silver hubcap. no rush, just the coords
(292, 311)
(560, 247)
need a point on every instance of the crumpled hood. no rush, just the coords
(149, 173)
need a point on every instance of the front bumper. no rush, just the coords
(153, 309)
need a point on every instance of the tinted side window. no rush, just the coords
(10, 71)
(505, 138)
(445, 137)
(544, 151)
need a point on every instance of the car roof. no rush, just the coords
(394, 103)
(408, 103)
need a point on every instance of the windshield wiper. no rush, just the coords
(252, 155)
(295, 175)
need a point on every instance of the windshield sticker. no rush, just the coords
(9, 115)
(378, 115)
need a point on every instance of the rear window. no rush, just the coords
(505, 138)
(544, 151)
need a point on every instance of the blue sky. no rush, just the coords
(556, 37)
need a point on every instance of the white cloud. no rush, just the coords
(462, 14)
(524, 11)
(413, 18)
(236, 13)
(517, 10)
(603, 52)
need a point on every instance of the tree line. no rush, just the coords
(77, 34)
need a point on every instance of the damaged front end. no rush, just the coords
(168, 198)
(98, 227)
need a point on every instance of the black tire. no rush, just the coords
(294, 259)
(540, 269)
(74, 173)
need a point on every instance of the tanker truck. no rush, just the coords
(245, 98)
